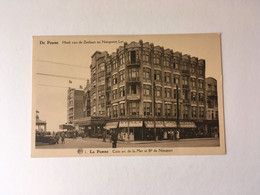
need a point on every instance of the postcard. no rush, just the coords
(127, 95)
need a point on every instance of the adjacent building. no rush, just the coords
(134, 91)
(212, 106)
(75, 105)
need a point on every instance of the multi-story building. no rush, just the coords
(135, 90)
(75, 105)
(87, 100)
(212, 106)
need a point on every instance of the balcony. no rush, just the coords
(133, 79)
(133, 97)
(134, 63)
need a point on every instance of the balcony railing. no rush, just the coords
(133, 97)
(134, 63)
(133, 79)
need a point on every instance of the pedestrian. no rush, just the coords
(114, 139)
(57, 138)
(104, 136)
(177, 135)
(63, 138)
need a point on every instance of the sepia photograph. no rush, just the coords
(127, 95)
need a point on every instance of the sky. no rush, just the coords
(72, 62)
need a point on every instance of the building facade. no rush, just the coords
(212, 106)
(135, 88)
(75, 105)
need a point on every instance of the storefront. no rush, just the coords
(130, 130)
(188, 130)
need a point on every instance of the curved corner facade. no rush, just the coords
(136, 86)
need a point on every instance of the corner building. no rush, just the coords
(135, 89)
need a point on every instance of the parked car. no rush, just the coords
(46, 137)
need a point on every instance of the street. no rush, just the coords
(98, 143)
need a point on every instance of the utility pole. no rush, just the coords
(154, 107)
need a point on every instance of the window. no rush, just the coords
(157, 75)
(185, 94)
(114, 64)
(201, 97)
(121, 75)
(156, 59)
(193, 82)
(108, 82)
(166, 62)
(201, 112)
(193, 96)
(147, 90)
(168, 109)
(200, 84)
(108, 111)
(114, 111)
(133, 73)
(101, 80)
(133, 89)
(185, 81)
(114, 93)
(133, 108)
(101, 106)
(101, 66)
(175, 65)
(146, 57)
(167, 92)
(114, 79)
(167, 77)
(121, 59)
(176, 79)
(122, 91)
(192, 69)
(147, 108)
(158, 109)
(158, 91)
(184, 66)
(193, 112)
(216, 113)
(133, 57)
(185, 112)
(101, 94)
(147, 73)
(122, 109)
(108, 68)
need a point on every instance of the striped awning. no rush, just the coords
(187, 125)
(158, 124)
(111, 125)
(130, 124)
(170, 124)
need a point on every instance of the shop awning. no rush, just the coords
(158, 124)
(187, 125)
(111, 125)
(135, 123)
(123, 124)
(170, 124)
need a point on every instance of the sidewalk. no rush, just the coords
(149, 141)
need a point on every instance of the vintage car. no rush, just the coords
(46, 137)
